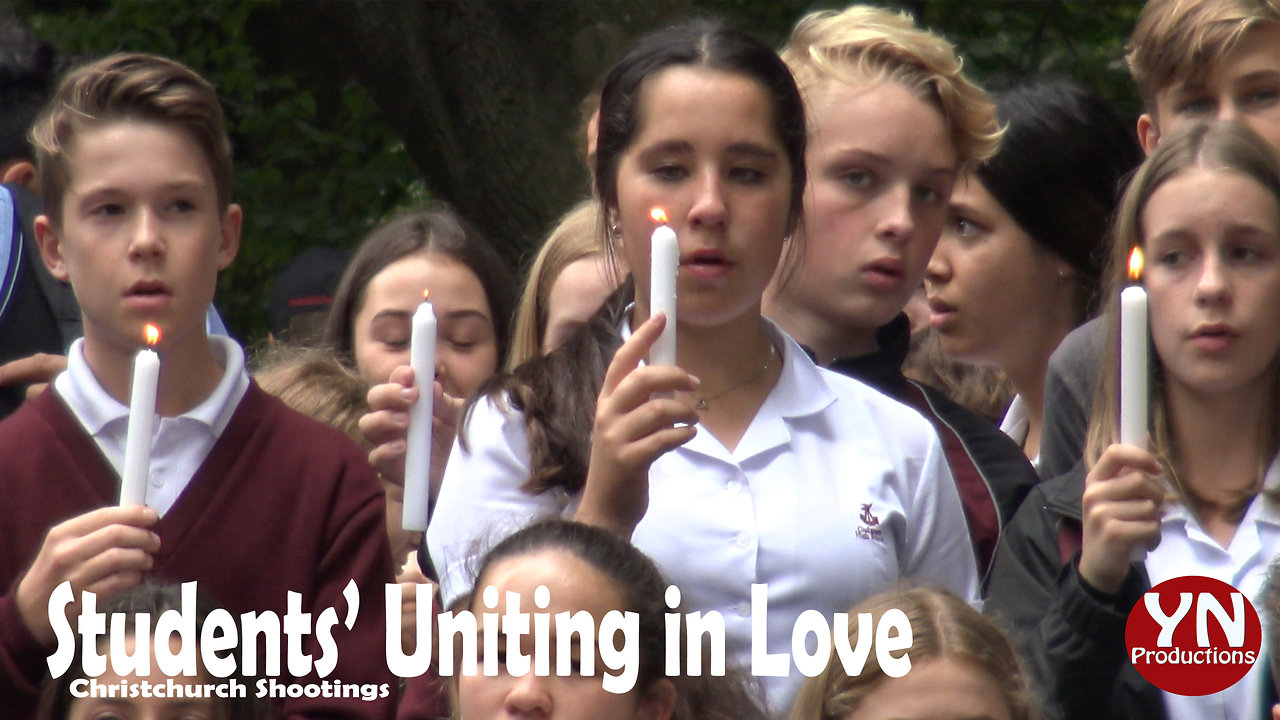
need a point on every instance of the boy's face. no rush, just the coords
(1244, 87)
(142, 236)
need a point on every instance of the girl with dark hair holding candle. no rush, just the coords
(791, 476)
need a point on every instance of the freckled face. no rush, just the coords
(466, 347)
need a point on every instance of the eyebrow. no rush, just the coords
(465, 314)
(749, 148)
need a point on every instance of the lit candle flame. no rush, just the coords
(152, 335)
(659, 215)
(1135, 264)
(426, 295)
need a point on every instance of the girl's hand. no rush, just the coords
(1123, 496)
(636, 422)
(387, 425)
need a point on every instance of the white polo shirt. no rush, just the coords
(1186, 549)
(179, 444)
(834, 493)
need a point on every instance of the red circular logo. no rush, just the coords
(1193, 635)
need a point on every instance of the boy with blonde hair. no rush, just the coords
(893, 121)
(250, 499)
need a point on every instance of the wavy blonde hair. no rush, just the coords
(863, 45)
(942, 627)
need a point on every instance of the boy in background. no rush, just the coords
(247, 497)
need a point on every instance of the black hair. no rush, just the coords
(1060, 170)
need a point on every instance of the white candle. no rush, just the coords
(142, 420)
(1133, 359)
(664, 264)
(417, 455)
(1133, 370)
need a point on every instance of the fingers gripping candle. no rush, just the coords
(664, 264)
(142, 421)
(417, 454)
(1133, 357)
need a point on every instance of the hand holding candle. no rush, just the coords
(664, 264)
(142, 419)
(417, 456)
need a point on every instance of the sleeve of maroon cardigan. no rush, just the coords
(21, 655)
(357, 550)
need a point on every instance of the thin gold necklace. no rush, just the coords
(705, 400)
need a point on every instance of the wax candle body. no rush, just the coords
(417, 456)
(142, 419)
(1133, 366)
(664, 264)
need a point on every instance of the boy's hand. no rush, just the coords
(104, 551)
(635, 424)
(1122, 503)
(35, 371)
(387, 425)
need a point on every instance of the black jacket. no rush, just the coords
(1070, 636)
(991, 473)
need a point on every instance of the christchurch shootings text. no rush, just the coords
(531, 641)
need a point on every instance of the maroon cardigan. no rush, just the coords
(281, 503)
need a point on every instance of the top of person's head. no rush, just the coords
(863, 45)
(642, 587)
(633, 575)
(942, 627)
(152, 599)
(575, 236)
(703, 43)
(436, 230)
(130, 87)
(1058, 129)
(28, 70)
(1229, 146)
(316, 384)
(1183, 41)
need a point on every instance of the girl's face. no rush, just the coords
(144, 707)
(1212, 246)
(706, 152)
(466, 345)
(936, 689)
(881, 167)
(574, 585)
(577, 293)
(996, 296)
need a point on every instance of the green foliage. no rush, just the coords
(306, 174)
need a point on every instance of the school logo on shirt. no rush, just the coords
(869, 531)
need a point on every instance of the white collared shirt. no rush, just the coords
(834, 493)
(179, 444)
(1017, 425)
(1186, 549)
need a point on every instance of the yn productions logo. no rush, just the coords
(1193, 635)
